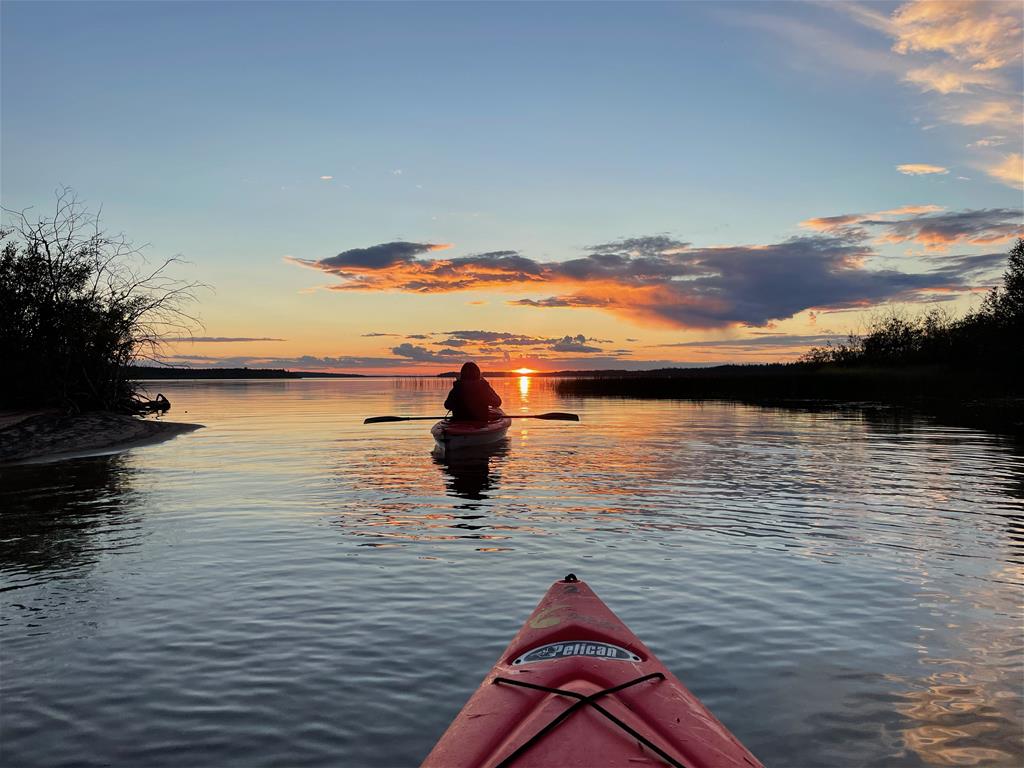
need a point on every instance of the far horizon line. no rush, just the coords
(264, 372)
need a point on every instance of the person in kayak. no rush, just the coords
(471, 396)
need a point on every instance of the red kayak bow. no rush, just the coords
(577, 688)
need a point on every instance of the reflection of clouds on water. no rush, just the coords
(961, 723)
(967, 709)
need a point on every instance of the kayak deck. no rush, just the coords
(577, 688)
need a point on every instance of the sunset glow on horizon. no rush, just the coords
(715, 200)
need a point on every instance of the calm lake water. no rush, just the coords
(288, 587)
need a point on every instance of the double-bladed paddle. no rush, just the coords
(554, 416)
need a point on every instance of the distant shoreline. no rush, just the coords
(151, 373)
(155, 373)
(43, 436)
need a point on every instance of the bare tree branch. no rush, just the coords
(79, 306)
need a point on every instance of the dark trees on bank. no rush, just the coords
(77, 307)
(990, 338)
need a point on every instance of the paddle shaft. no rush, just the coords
(554, 416)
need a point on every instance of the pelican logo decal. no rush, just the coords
(576, 648)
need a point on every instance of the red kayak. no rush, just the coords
(577, 688)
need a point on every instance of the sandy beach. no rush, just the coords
(47, 435)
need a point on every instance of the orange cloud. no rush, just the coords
(937, 232)
(1010, 170)
(909, 209)
(983, 36)
(832, 223)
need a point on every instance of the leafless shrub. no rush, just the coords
(78, 306)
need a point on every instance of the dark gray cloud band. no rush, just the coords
(663, 281)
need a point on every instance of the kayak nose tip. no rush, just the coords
(570, 578)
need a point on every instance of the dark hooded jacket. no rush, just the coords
(470, 399)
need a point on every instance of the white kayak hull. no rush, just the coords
(451, 435)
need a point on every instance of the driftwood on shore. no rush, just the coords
(158, 404)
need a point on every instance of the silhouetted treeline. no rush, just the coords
(797, 381)
(149, 373)
(77, 307)
(991, 337)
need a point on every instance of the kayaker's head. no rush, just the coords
(470, 372)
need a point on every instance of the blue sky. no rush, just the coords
(540, 128)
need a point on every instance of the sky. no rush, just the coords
(391, 187)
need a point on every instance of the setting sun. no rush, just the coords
(524, 371)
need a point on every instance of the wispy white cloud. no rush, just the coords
(988, 141)
(946, 79)
(921, 169)
(1001, 114)
(837, 49)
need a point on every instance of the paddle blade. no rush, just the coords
(556, 416)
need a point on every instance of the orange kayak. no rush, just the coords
(577, 688)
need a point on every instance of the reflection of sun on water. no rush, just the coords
(524, 388)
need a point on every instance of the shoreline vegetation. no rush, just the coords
(78, 308)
